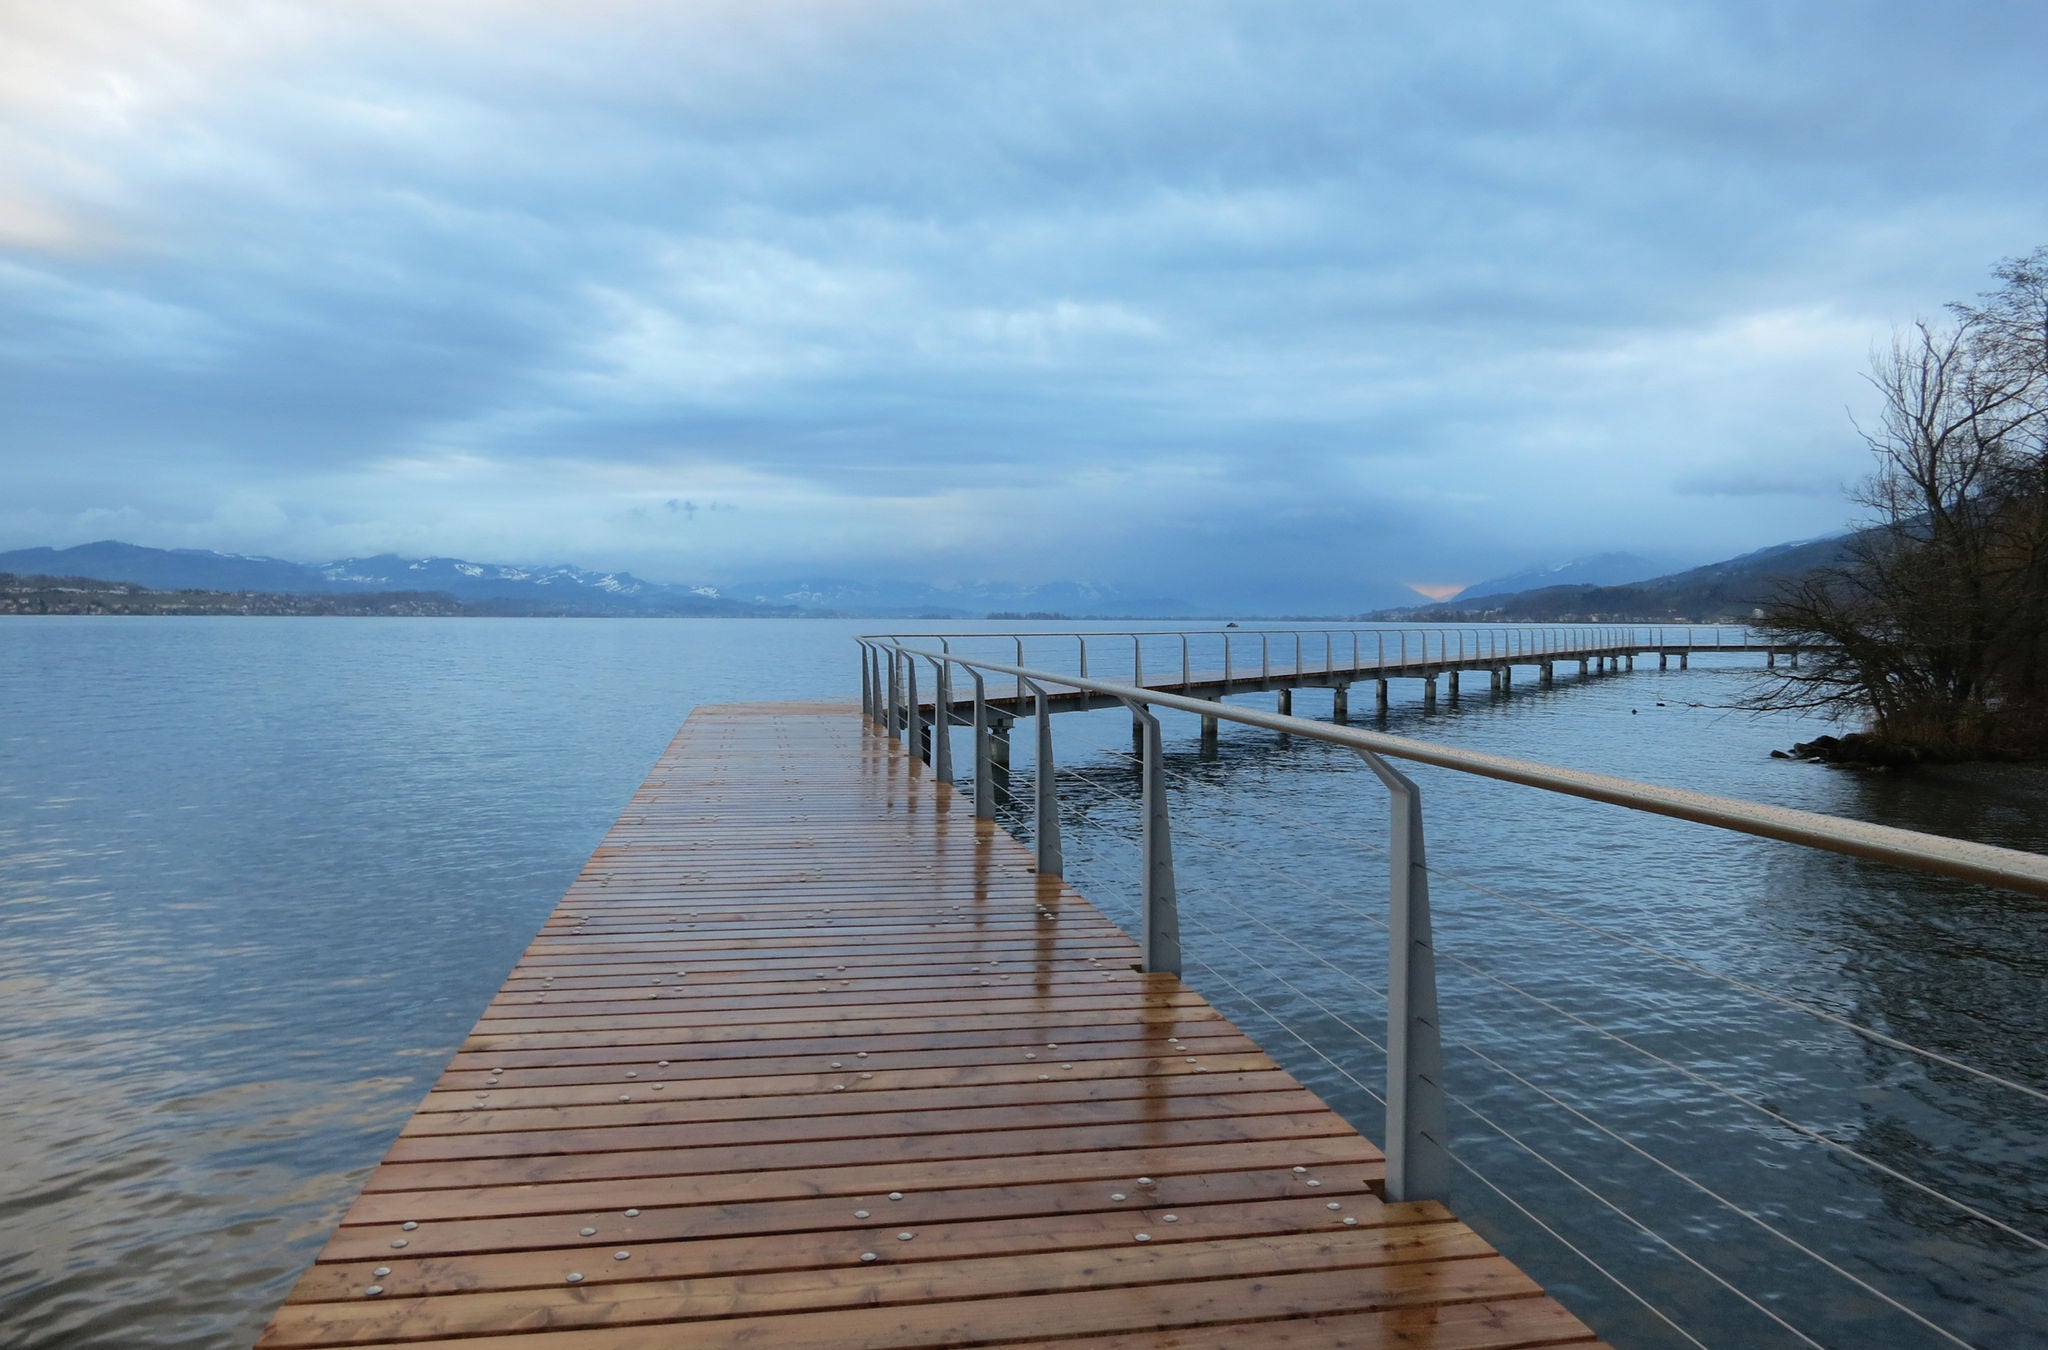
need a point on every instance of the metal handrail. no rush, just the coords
(1503, 644)
(1416, 1139)
(1987, 863)
(1688, 642)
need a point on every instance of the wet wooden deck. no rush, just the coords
(808, 1057)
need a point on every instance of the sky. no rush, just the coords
(1285, 303)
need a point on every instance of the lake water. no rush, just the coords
(258, 877)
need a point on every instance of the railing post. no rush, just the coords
(1265, 660)
(1418, 1120)
(913, 720)
(1161, 904)
(895, 693)
(984, 776)
(1020, 678)
(942, 720)
(1137, 661)
(867, 689)
(873, 657)
(1045, 822)
(1184, 681)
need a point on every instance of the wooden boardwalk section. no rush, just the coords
(809, 1057)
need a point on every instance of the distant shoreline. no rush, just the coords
(58, 597)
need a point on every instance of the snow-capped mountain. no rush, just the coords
(563, 589)
(556, 589)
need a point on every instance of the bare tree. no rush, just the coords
(1935, 625)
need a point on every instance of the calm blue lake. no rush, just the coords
(258, 877)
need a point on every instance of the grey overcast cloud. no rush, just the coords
(1289, 304)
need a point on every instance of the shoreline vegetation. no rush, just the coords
(1933, 625)
(37, 595)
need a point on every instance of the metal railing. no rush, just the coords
(1334, 653)
(1416, 1137)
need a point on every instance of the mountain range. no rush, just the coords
(562, 589)
(1601, 569)
(1725, 591)
(1585, 588)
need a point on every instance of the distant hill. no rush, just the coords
(41, 595)
(479, 587)
(1601, 569)
(166, 569)
(1726, 591)
(501, 588)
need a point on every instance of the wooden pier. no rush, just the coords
(809, 1057)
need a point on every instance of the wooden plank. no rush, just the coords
(801, 1004)
(826, 1246)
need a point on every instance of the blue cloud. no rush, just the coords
(1159, 290)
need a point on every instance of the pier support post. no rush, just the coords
(1795, 658)
(1586, 666)
(1770, 658)
(1137, 737)
(1429, 693)
(1208, 737)
(1685, 660)
(1629, 660)
(1663, 660)
(1549, 674)
(1453, 691)
(1340, 704)
(1380, 697)
(1287, 703)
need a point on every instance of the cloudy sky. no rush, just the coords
(1287, 300)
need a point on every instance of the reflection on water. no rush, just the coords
(257, 877)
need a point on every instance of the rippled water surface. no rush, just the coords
(257, 877)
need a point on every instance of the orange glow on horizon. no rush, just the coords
(1434, 590)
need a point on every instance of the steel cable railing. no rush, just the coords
(1577, 1182)
(1393, 648)
(1465, 1164)
(1816, 1136)
(1745, 986)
